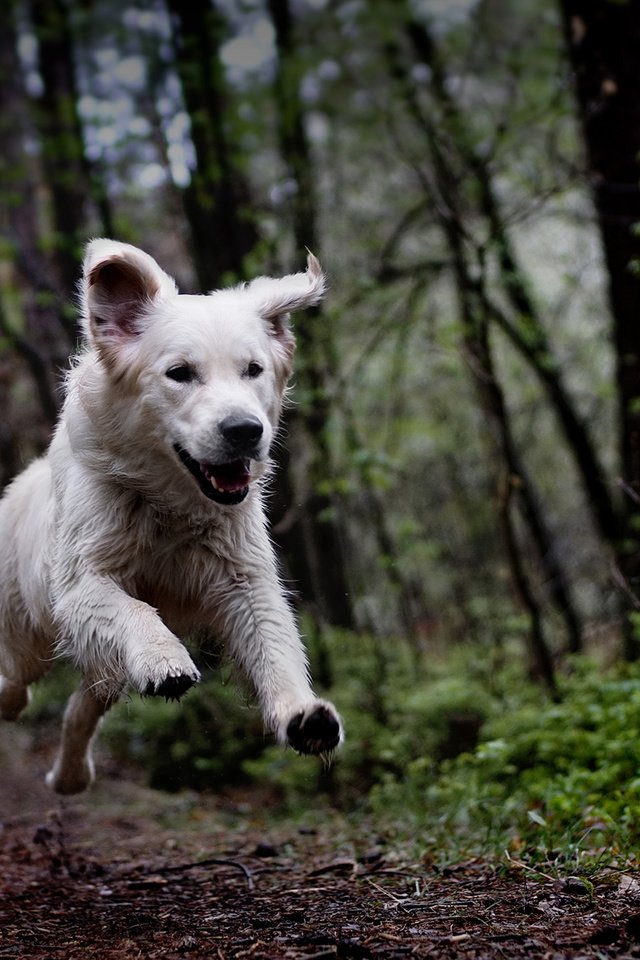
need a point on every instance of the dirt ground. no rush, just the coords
(126, 872)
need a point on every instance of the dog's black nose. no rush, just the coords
(241, 431)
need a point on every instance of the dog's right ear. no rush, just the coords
(120, 283)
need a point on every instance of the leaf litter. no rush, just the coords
(127, 872)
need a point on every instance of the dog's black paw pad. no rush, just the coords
(319, 732)
(171, 688)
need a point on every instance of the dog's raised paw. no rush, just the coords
(171, 688)
(315, 731)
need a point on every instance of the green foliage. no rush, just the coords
(405, 423)
(546, 775)
(49, 696)
(395, 714)
(200, 742)
(461, 753)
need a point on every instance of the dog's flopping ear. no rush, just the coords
(276, 299)
(120, 283)
(280, 297)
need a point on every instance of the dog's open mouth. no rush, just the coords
(226, 483)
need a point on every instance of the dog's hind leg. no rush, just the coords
(21, 664)
(73, 770)
(14, 697)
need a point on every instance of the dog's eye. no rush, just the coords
(253, 370)
(182, 373)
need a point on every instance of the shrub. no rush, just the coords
(200, 742)
(547, 774)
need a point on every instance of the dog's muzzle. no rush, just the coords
(228, 482)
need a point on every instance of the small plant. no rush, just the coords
(215, 738)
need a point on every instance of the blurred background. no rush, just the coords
(458, 505)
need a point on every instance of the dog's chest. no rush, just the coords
(180, 576)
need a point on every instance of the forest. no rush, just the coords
(457, 501)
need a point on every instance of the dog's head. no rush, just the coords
(203, 376)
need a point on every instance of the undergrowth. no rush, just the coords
(558, 782)
(460, 753)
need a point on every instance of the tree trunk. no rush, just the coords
(541, 658)
(62, 144)
(604, 45)
(524, 328)
(313, 536)
(217, 199)
(36, 334)
(475, 319)
(511, 478)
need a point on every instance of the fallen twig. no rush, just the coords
(209, 862)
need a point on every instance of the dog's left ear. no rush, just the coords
(120, 283)
(276, 299)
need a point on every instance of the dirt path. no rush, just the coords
(129, 873)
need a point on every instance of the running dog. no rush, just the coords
(144, 522)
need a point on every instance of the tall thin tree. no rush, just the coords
(217, 199)
(476, 345)
(320, 548)
(604, 46)
(31, 323)
(62, 144)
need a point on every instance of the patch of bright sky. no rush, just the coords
(151, 175)
(180, 152)
(444, 14)
(148, 21)
(318, 127)
(28, 54)
(116, 70)
(421, 73)
(250, 51)
(139, 127)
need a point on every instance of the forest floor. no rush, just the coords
(127, 872)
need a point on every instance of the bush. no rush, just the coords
(545, 775)
(542, 775)
(212, 738)
(201, 742)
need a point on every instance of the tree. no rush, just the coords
(64, 162)
(313, 532)
(450, 152)
(409, 433)
(217, 199)
(30, 306)
(603, 39)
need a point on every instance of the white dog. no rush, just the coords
(144, 521)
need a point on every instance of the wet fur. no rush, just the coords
(111, 554)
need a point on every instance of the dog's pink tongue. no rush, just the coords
(228, 477)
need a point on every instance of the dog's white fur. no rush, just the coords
(111, 551)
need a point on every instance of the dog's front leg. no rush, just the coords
(263, 638)
(120, 640)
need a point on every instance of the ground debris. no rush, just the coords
(125, 873)
(164, 907)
